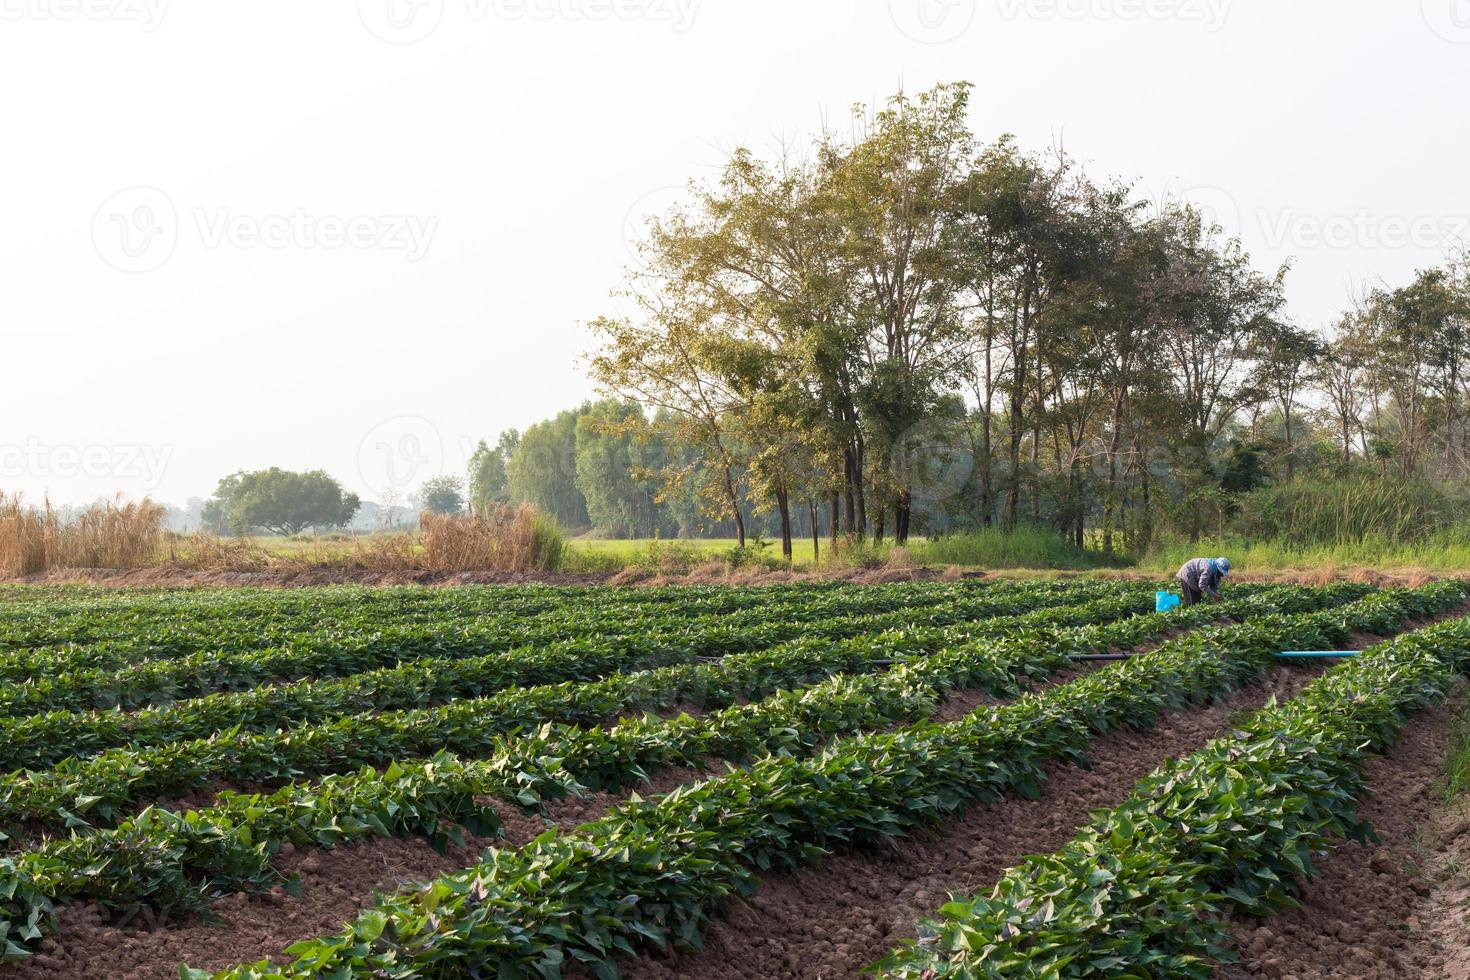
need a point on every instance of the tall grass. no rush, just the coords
(508, 539)
(22, 538)
(1447, 550)
(109, 534)
(1369, 510)
(1363, 520)
(1021, 547)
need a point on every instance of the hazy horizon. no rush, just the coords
(363, 238)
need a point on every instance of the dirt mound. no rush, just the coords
(835, 920)
(1371, 909)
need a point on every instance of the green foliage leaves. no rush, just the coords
(570, 895)
(40, 740)
(280, 501)
(1232, 827)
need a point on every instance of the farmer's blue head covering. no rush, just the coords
(1223, 564)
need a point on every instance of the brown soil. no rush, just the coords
(1392, 909)
(826, 922)
(835, 920)
(335, 886)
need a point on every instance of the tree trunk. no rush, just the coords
(1452, 394)
(811, 506)
(1036, 469)
(848, 487)
(1013, 478)
(1290, 450)
(832, 528)
(1146, 519)
(783, 505)
(734, 501)
(902, 512)
(1074, 481)
(859, 466)
(1110, 503)
(986, 492)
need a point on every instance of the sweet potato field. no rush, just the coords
(929, 779)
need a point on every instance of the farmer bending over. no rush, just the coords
(1201, 577)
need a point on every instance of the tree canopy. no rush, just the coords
(907, 330)
(279, 501)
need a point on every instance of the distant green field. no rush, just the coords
(597, 552)
(1023, 549)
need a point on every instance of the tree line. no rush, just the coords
(903, 330)
(609, 467)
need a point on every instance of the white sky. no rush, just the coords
(491, 171)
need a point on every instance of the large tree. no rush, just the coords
(1287, 359)
(280, 501)
(443, 494)
(618, 455)
(834, 325)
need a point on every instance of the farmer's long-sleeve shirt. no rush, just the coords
(1201, 574)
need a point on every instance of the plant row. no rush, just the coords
(1142, 891)
(219, 620)
(100, 608)
(190, 620)
(100, 789)
(173, 861)
(128, 685)
(43, 739)
(197, 619)
(651, 873)
(378, 637)
(39, 616)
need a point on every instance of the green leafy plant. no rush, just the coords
(1142, 890)
(652, 872)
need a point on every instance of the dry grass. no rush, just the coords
(110, 534)
(509, 539)
(204, 552)
(387, 552)
(131, 536)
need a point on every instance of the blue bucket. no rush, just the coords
(1164, 601)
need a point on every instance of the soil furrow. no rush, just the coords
(336, 885)
(1395, 908)
(835, 920)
